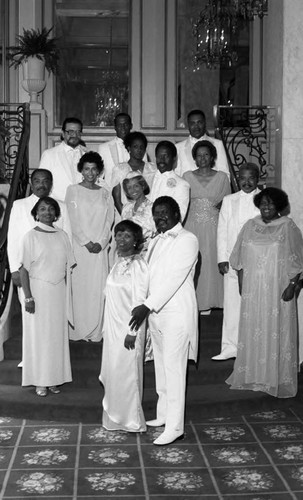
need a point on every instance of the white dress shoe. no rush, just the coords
(155, 423)
(224, 356)
(168, 437)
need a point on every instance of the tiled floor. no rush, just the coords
(256, 456)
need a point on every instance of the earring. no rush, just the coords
(37, 218)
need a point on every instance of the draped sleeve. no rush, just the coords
(72, 203)
(139, 284)
(294, 250)
(236, 256)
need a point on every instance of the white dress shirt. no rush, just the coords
(171, 184)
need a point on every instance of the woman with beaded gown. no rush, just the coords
(208, 188)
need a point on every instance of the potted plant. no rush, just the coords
(35, 52)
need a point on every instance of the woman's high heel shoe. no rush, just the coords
(54, 389)
(41, 391)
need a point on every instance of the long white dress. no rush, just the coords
(48, 258)
(270, 255)
(122, 369)
(91, 213)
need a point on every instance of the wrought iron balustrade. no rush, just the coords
(14, 139)
(249, 134)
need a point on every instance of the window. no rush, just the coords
(94, 66)
(201, 87)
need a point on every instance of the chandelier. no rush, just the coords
(217, 30)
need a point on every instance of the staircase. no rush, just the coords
(80, 401)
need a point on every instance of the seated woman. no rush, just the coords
(46, 264)
(123, 349)
(268, 256)
(138, 208)
(136, 144)
(91, 211)
(208, 188)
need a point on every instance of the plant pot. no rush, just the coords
(33, 77)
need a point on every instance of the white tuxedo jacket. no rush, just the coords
(110, 156)
(186, 161)
(21, 221)
(62, 161)
(171, 184)
(235, 211)
(112, 153)
(171, 299)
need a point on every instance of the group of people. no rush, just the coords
(129, 252)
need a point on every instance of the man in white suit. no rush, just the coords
(173, 314)
(197, 132)
(62, 160)
(114, 152)
(236, 209)
(166, 182)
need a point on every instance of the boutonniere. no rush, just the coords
(171, 182)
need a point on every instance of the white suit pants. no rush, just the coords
(231, 313)
(170, 356)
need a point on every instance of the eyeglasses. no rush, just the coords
(73, 132)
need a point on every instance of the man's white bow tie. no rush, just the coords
(167, 235)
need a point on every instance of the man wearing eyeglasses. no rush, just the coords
(62, 160)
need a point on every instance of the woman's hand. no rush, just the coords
(139, 314)
(30, 307)
(129, 341)
(93, 247)
(97, 248)
(289, 293)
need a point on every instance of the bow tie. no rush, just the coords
(167, 235)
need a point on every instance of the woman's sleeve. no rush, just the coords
(139, 285)
(74, 207)
(139, 281)
(225, 188)
(109, 219)
(294, 252)
(27, 254)
(236, 256)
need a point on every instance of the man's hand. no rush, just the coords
(223, 267)
(139, 314)
(129, 341)
(16, 278)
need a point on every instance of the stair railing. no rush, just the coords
(14, 140)
(249, 134)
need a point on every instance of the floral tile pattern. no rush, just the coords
(109, 456)
(235, 455)
(224, 433)
(279, 431)
(237, 458)
(45, 457)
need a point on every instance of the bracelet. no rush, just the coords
(30, 299)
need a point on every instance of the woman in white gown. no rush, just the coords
(46, 264)
(122, 355)
(91, 211)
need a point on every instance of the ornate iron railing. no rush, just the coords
(14, 139)
(249, 134)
